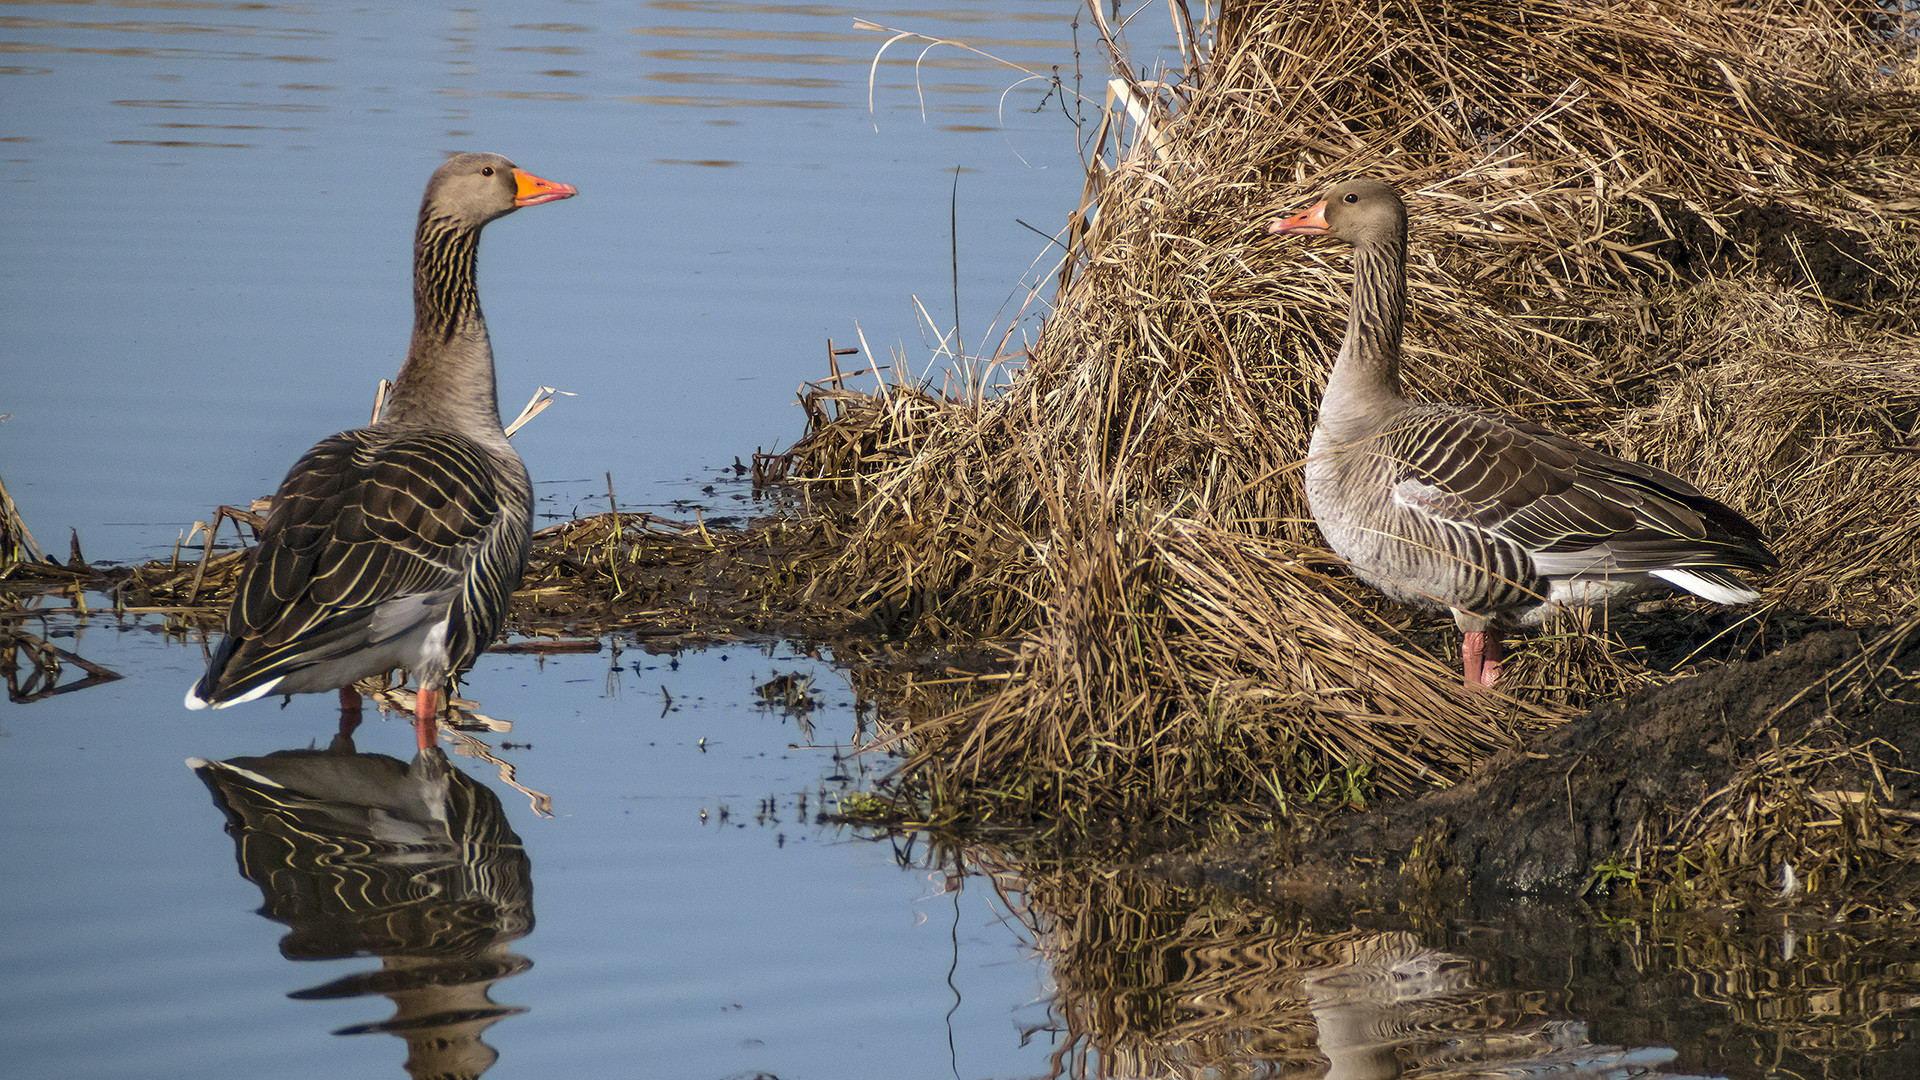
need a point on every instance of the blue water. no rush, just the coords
(209, 216)
(668, 941)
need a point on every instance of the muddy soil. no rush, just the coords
(1543, 819)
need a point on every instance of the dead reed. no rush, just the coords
(1681, 231)
(16, 543)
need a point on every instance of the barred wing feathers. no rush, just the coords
(1572, 511)
(375, 536)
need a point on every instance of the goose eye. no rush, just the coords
(486, 170)
(1351, 197)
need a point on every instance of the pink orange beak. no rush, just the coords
(1311, 221)
(530, 190)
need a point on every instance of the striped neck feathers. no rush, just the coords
(1366, 375)
(445, 297)
(448, 378)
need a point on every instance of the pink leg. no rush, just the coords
(349, 711)
(425, 708)
(1490, 660)
(1479, 658)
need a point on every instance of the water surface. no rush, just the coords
(210, 210)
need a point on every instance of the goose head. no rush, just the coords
(473, 189)
(1361, 212)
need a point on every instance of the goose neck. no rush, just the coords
(1367, 373)
(448, 377)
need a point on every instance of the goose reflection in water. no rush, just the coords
(1392, 1007)
(366, 855)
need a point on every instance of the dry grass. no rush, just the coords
(1820, 442)
(1681, 231)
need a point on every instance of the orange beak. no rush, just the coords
(1311, 221)
(530, 190)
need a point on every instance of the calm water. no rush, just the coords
(210, 210)
(204, 252)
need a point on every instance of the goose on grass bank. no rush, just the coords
(397, 545)
(1494, 519)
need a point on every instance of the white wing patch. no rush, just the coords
(1430, 501)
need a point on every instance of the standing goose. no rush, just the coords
(397, 545)
(1495, 519)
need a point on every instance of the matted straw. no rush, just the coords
(1579, 175)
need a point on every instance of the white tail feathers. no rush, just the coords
(1720, 591)
(195, 701)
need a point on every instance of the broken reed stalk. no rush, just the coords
(16, 543)
(1601, 195)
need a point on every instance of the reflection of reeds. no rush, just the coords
(1677, 214)
(31, 666)
(1151, 979)
(1155, 979)
(1814, 1000)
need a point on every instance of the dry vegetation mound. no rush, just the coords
(1682, 231)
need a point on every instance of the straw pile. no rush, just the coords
(1680, 231)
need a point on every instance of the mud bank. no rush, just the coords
(1708, 789)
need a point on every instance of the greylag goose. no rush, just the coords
(397, 545)
(1492, 518)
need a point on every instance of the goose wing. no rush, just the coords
(371, 536)
(1574, 511)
